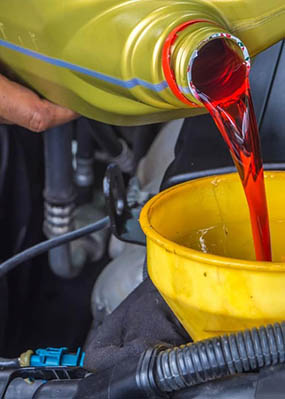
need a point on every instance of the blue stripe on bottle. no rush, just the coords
(128, 84)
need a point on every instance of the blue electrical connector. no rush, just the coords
(56, 357)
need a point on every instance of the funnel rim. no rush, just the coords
(192, 254)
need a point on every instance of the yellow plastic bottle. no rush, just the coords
(104, 59)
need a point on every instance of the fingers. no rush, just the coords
(44, 115)
(21, 106)
(52, 115)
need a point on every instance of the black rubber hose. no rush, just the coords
(59, 187)
(9, 363)
(45, 246)
(65, 260)
(84, 176)
(85, 140)
(195, 363)
(106, 137)
(59, 196)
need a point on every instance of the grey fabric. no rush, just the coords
(141, 321)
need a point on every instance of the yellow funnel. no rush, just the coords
(224, 290)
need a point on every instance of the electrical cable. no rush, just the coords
(44, 246)
(9, 363)
(184, 177)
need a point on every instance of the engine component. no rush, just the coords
(159, 370)
(41, 382)
(125, 272)
(195, 363)
(122, 275)
(59, 196)
(44, 246)
(124, 219)
(84, 175)
(66, 260)
(55, 357)
(84, 154)
(75, 383)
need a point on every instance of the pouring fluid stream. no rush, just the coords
(220, 77)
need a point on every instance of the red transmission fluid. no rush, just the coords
(220, 77)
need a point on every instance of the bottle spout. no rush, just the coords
(219, 67)
(202, 52)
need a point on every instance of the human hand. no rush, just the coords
(23, 107)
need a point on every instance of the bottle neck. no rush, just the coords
(184, 44)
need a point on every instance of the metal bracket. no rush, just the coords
(124, 218)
